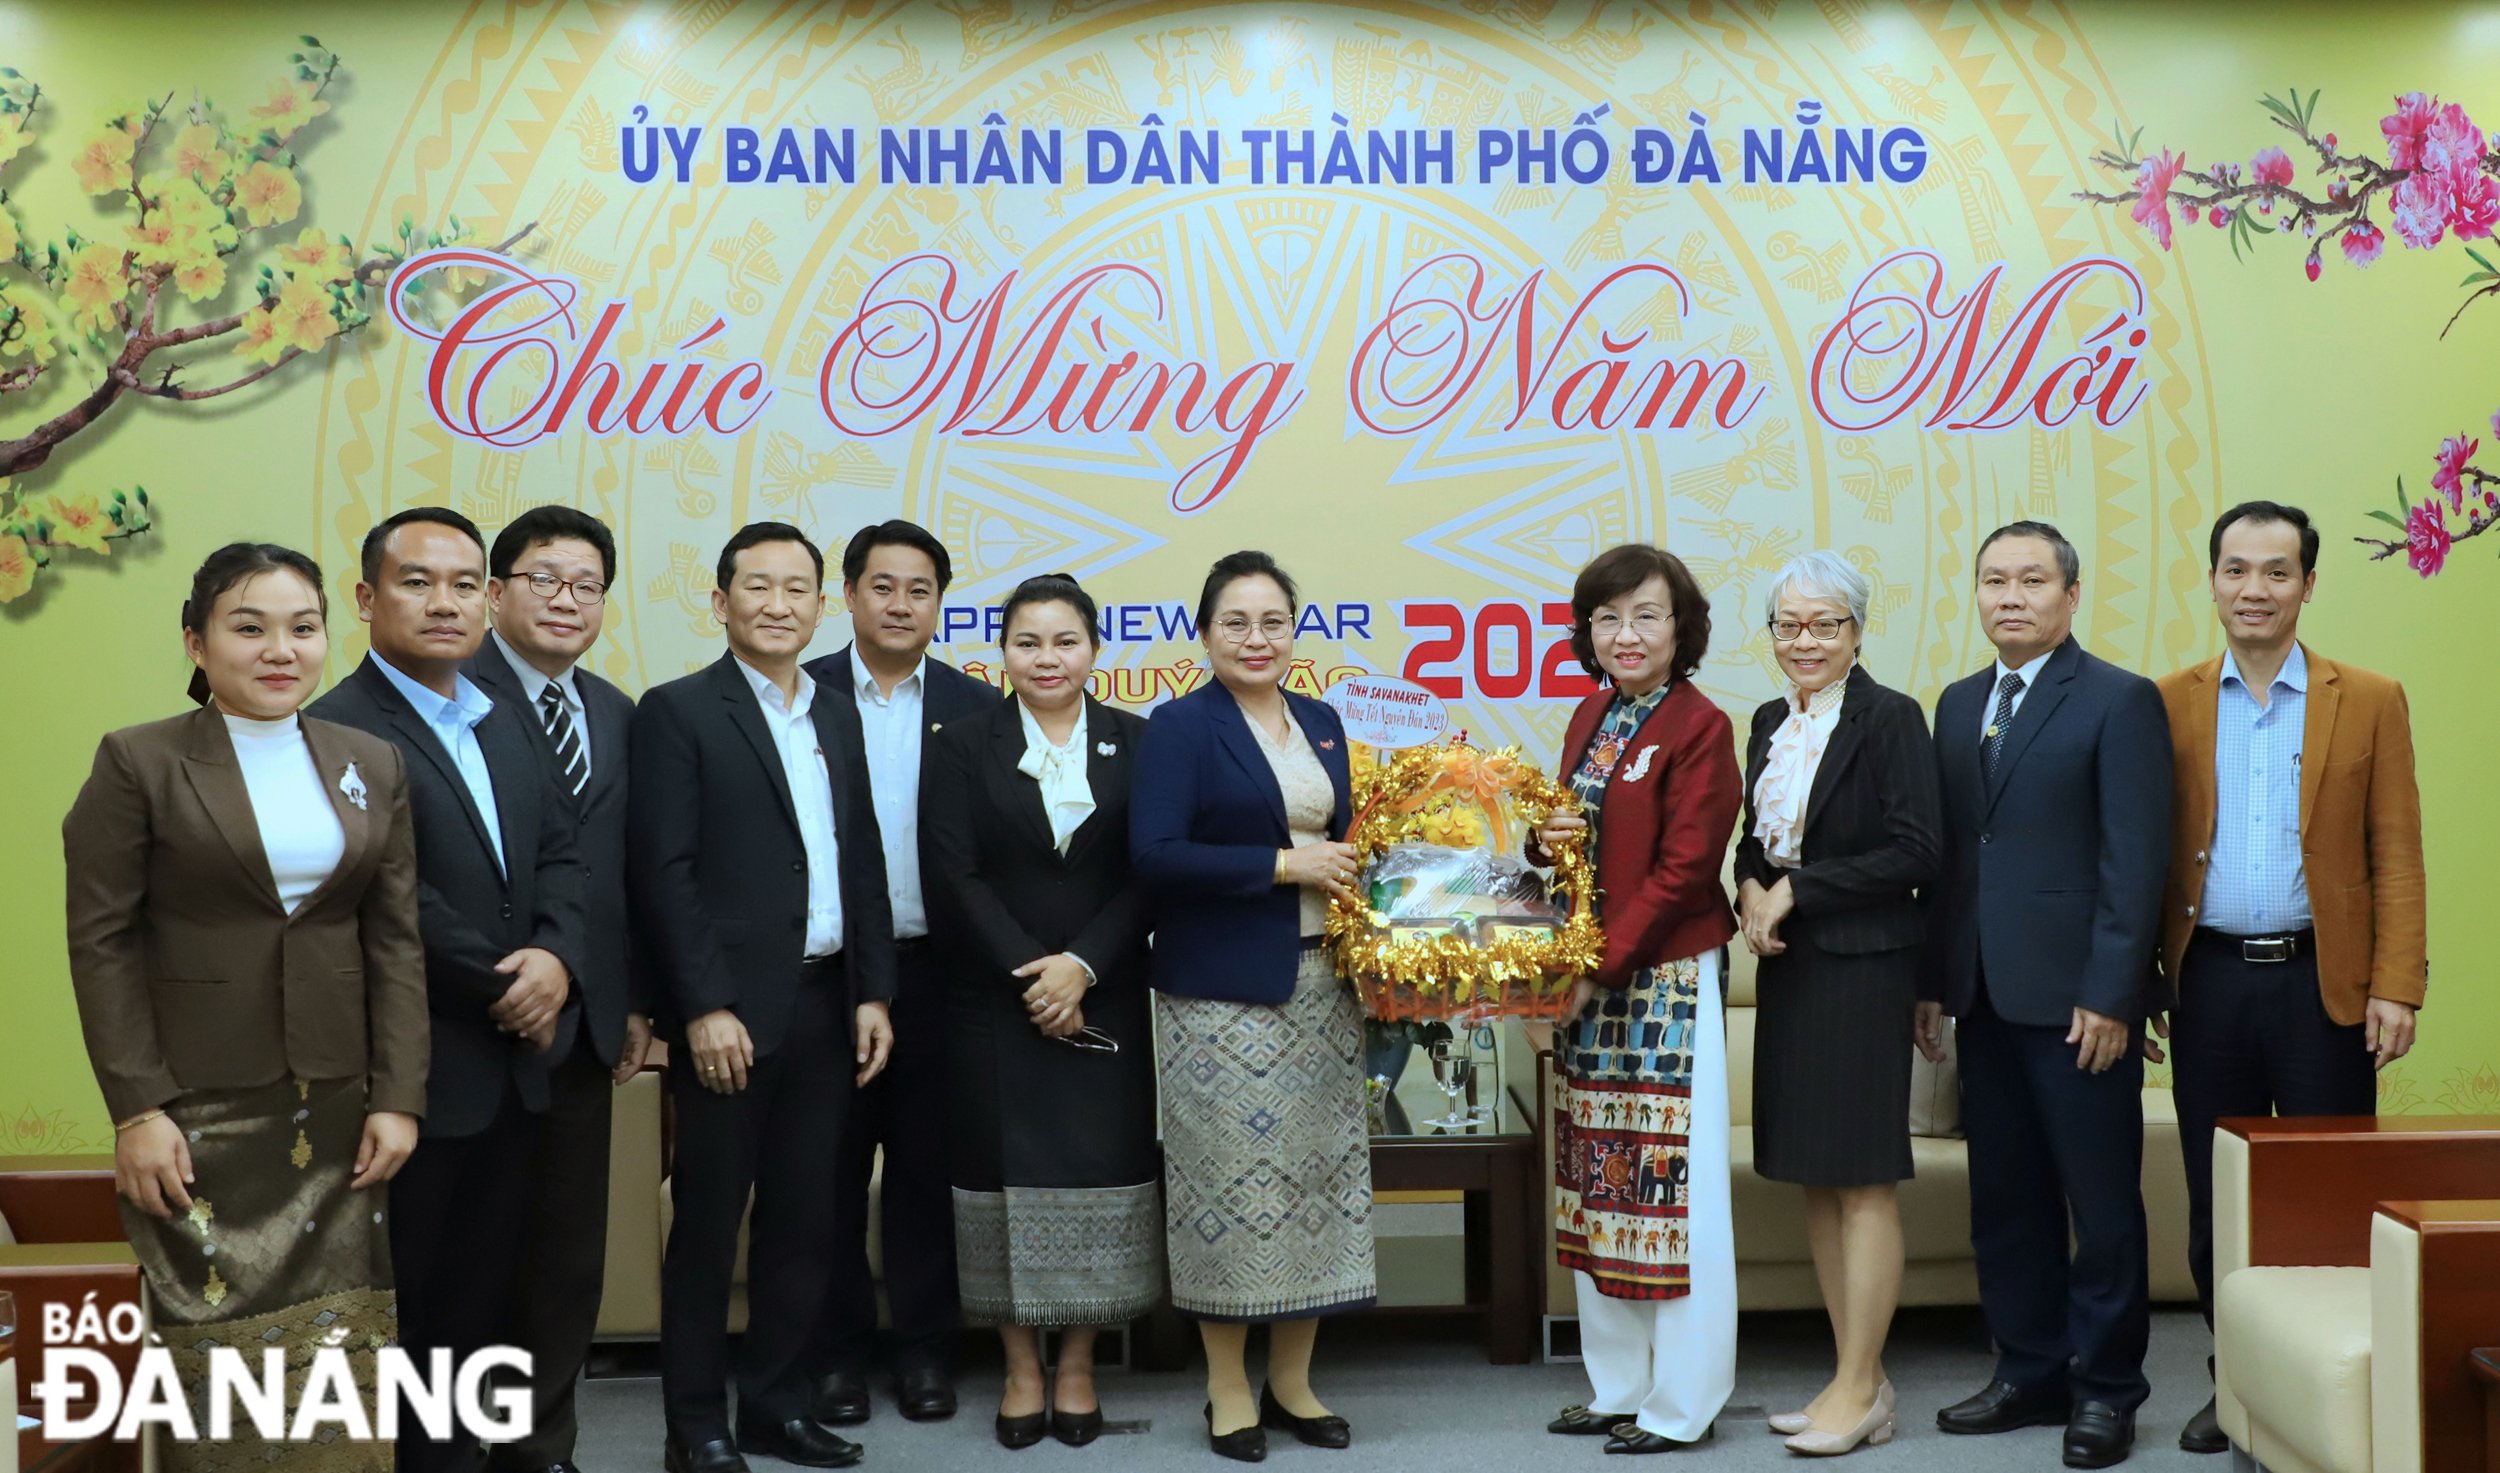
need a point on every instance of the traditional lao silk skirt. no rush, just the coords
(277, 1251)
(1623, 1199)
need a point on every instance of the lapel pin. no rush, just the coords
(1107, 749)
(937, 726)
(352, 783)
(1640, 765)
(1328, 744)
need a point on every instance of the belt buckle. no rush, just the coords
(2268, 949)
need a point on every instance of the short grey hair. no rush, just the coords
(1821, 573)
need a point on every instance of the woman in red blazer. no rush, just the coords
(1641, 1162)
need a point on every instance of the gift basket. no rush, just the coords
(1449, 919)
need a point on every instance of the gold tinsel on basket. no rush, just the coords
(1401, 799)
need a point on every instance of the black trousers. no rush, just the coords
(457, 1210)
(768, 1140)
(564, 1252)
(2252, 1038)
(2051, 1146)
(904, 1113)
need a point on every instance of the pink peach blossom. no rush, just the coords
(2405, 126)
(2495, 423)
(2419, 209)
(2362, 243)
(2152, 207)
(2473, 204)
(2311, 265)
(2271, 166)
(2426, 539)
(2449, 479)
(2218, 217)
(2451, 144)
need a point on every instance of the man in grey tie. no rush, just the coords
(547, 597)
(2055, 770)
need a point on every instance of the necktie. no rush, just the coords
(558, 719)
(1994, 742)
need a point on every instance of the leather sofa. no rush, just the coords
(1775, 1265)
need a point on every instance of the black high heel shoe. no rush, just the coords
(1329, 1431)
(1244, 1445)
(1076, 1428)
(1016, 1433)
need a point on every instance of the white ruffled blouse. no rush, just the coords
(1067, 795)
(1779, 795)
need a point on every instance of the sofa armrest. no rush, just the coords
(60, 1199)
(2435, 1294)
(2301, 1191)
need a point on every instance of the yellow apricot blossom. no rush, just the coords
(77, 523)
(303, 315)
(317, 257)
(152, 242)
(17, 568)
(201, 276)
(104, 164)
(290, 106)
(30, 332)
(259, 341)
(96, 285)
(268, 195)
(197, 156)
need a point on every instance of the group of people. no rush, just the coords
(888, 924)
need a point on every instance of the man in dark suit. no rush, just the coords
(894, 578)
(758, 879)
(500, 912)
(2055, 769)
(546, 590)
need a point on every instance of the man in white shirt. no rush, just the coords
(894, 579)
(758, 880)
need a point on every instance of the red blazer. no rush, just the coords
(1663, 830)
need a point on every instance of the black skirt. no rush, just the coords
(1833, 1035)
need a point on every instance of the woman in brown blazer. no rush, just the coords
(242, 888)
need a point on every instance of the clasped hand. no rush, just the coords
(1327, 866)
(540, 984)
(1054, 999)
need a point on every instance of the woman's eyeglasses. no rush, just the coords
(1786, 630)
(1092, 1040)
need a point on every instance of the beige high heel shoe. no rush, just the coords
(1874, 1429)
(1789, 1424)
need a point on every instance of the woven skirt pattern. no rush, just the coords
(1059, 1255)
(277, 1251)
(1267, 1166)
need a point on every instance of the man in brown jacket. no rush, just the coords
(2293, 917)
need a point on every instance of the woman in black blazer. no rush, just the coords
(1239, 824)
(1058, 1208)
(1842, 825)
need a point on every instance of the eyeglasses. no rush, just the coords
(1786, 630)
(1648, 624)
(1275, 628)
(585, 590)
(1092, 1040)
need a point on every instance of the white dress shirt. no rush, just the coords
(811, 793)
(299, 830)
(534, 683)
(2029, 671)
(454, 724)
(891, 725)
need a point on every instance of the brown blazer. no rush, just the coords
(2360, 829)
(190, 974)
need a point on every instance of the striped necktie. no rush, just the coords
(2007, 689)
(558, 719)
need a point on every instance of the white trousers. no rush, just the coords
(1670, 1364)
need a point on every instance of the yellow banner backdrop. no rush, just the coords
(1432, 301)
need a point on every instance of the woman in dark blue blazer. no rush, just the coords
(1236, 818)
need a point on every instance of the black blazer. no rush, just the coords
(1000, 894)
(716, 865)
(1874, 824)
(2053, 867)
(606, 983)
(470, 913)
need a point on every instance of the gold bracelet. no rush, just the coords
(136, 1121)
(1282, 855)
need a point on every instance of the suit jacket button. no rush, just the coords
(507, 910)
(1986, 838)
(798, 866)
(2191, 912)
(2200, 856)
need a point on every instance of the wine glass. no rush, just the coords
(1453, 1070)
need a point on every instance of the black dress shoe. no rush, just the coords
(841, 1399)
(1329, 1431)
(719, 1455)
(2004, 1406)
(2098, 1435)
(1242, 1445)
(801, 1440)
(1021, 1432)
(1630, 1439)
(1076, 1428)
(2203, 1433)
(1581, 1422)
(925, 1393)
